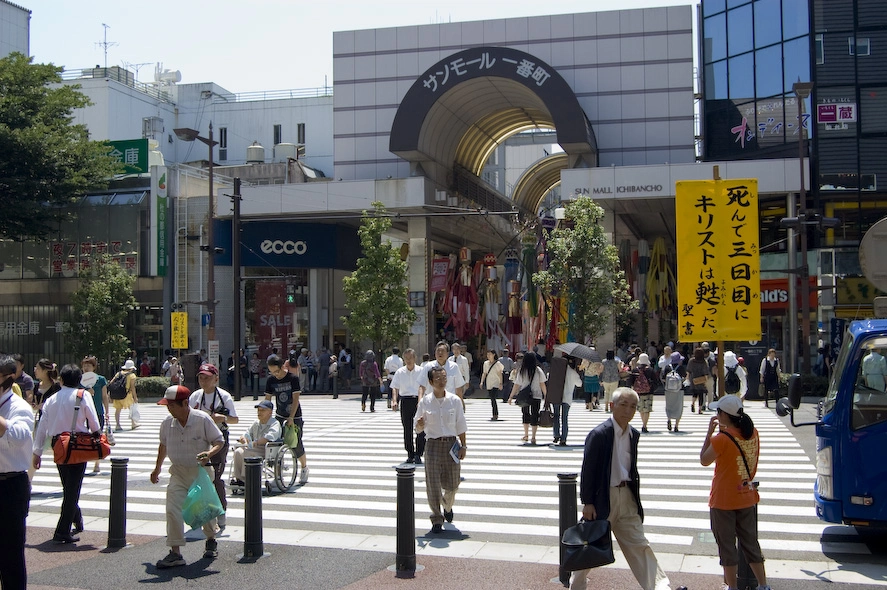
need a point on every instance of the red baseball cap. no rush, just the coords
(175, 393)
(207, 369)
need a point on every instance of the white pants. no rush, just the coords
(629, 532)
(240, 453)
(609, 388)
(180, 479)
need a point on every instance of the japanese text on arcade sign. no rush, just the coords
(719, 285)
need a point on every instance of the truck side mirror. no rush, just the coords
(794, 390)
(783, 408)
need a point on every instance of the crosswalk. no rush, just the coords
(507, 506)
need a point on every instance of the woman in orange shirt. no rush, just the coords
(734, 493)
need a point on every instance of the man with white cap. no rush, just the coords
(218, 405)
(190, 439)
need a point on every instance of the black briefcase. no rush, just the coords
(587, 545)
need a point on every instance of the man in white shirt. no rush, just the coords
(459, 357)
(392, 364)
(455, 381)
(441, 417)
(874, 369)
(219, 405)
(405, 386)
(57, 417)
(190, 440)
(610, 489)
(264, 430)
(16, 446)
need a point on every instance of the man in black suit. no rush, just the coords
(609, 489)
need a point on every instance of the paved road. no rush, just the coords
(507, 507)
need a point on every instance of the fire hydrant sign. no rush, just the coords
(179, 322)
(719, 287)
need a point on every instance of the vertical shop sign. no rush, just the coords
(179, 324)
(719, 285)
(159, 252)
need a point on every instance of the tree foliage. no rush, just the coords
(376, 294)
(45, 160)
(99, 310)
(584, 267)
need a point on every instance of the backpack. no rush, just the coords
(641, 383)
(117, 386)
(673, 381)
(732, 384)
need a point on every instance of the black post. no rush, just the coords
(238, 315)
(405, 560)
(252, 509)
(568, 511)
(117, 508)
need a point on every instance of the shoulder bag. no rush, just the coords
(525, 395)
(70, 448)
(587, 544)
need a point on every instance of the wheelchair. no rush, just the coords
(280, 469)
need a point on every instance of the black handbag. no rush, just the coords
(587, 544)
(524, 396)
(546, 419)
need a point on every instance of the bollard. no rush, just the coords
(567, 517)
(252, 508)
(336, 387)
(117, 508)
(405, 560)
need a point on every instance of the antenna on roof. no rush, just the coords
(105, 44)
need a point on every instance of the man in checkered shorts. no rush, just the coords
(441, 417)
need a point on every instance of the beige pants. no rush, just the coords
(180, 479)
(240, 453)
(629, 532)
(609, 388)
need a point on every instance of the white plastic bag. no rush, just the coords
(134, 413)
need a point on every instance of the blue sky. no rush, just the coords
(248, 46)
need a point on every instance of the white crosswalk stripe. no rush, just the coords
(507, 507)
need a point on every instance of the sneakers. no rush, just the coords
(448, 514)
(171, 560)
(644, 430)
(437, 529)
(303, 477)
(211, 551)
(417, 459)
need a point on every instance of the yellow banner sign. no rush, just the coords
(719, 288)
(179, 336)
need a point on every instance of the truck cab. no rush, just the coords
(851, 434)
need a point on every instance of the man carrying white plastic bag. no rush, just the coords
(189, 439)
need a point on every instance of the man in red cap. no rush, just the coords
(219, 405)
(190, 439)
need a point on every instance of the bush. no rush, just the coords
(151, 386)
(814, 385)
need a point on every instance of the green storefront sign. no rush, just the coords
(133, 153)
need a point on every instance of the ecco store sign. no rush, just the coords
(284, 247)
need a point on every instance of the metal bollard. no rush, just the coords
(336, 387)
(117, 508)
(567, 516)
(405, 560)
(253, 546)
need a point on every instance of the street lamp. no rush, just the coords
(186, 134)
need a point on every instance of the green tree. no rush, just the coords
(584, 267)
(376, 294)
(45, 160)
(99, 309)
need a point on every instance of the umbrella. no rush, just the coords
(579, 351)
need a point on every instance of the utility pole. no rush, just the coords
(235, 262)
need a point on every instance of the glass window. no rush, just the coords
(859, 45)
(741, 72)
(740, 30)
(710, 7)
(768, 71)
(768, 29)
(873, 109)
(796, 62)
(795, 18)
(716, 80)
(819, 50)
(715, 42)
(278, 134)
(734, 3)
(869, 396)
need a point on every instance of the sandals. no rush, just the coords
(533, 441)
(525, 439)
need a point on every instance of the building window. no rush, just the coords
(820, 50)
(223, 143)
(859, 45)
(300, 133)
(278, 134)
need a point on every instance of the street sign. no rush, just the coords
(719, 282)
(179, 336)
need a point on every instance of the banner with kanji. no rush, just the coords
(719, 287)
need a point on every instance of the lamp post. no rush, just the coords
(186, 134)
(802, 91)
